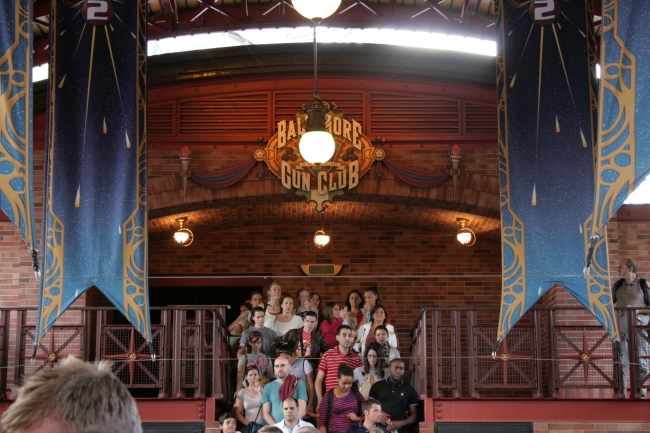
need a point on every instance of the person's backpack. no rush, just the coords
(644, 289)
(330, 401)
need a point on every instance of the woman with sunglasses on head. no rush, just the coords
(253, 357)
(367, 330)
(249, 399)
(285, 321)
(373, 369)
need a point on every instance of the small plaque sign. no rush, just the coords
(322, 269)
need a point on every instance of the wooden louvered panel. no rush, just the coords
(160, 119)
(406, 115)
(287, 104)
(480, 119)
(231, 114)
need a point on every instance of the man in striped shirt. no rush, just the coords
(330, 361)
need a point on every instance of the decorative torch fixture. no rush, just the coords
(465, 236)
(183, 236)
(185, 156)
(455, 171)
(316, 144)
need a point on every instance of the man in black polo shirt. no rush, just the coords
(396, 397)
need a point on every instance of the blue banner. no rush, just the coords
(95, 218)
(623, 156)
(16, 187)
(547, 127)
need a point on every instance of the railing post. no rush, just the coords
(471, 356)
(166, 343)
(618, 368)
(18, 368)
(423, 378)
(177, 349)
(457, 360)
(633, 354)
(218, 386)
(555, 392)
(435, 354)
(538, 352)
(99, 321)
(5, 320)
(200, 340)
(85, 341)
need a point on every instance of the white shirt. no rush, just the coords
(286, 429)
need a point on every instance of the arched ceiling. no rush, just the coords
(170, 18)
(253, 212)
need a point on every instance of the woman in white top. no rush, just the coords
(372, 370)
(249, 399)
(367, 330)
(286, 320)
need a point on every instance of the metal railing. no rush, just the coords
(545, 355)
(192, 355)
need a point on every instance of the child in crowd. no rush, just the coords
(228, 423)
(333, 318)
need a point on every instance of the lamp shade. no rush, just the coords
(321, 239)
(181, 236)
(317, 147)
(464, 237)
(316, 9)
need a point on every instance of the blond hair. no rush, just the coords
(78, 396)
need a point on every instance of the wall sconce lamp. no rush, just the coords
(185, 156)
(465, 236)
(455, 171)
(183, 236)
(321, 239)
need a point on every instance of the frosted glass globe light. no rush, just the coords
(317, 147)
(316, 9)
(464, 238)
(181, 237)
(321, 239)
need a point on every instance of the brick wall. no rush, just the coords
(394, 260)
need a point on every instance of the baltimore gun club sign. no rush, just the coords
(353, 157)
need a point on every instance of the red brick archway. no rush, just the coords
(387, 202)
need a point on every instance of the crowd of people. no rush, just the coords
(337, 369)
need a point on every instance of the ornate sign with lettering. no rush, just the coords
(353, 157)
